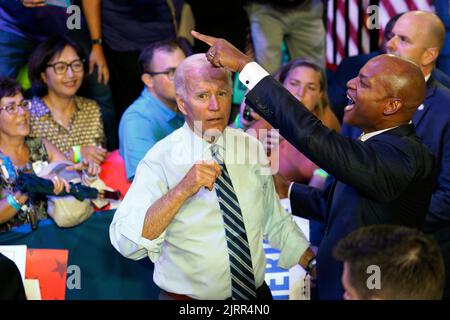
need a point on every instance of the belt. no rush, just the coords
(262, 293)
(176, 296)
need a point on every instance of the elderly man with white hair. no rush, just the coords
(199, 207)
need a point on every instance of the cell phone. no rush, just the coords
(247, 113)
(58, 3)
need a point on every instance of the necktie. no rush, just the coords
(242, 278)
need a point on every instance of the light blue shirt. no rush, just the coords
(191, 255)
(144, 123)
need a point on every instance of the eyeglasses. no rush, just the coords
(61, 67)
(13, 108)
(170, 73)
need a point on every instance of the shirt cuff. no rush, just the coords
(289, 190)
(252, 74)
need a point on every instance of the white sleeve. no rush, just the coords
(125, 232)
(252, 74)
(289, 190)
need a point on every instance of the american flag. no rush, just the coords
(348, 32)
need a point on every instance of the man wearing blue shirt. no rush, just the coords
(154, 115)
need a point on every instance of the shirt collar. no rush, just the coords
(199, 148)
(367, 136)
(167, 113)
(41, 108)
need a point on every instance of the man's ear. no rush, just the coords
(430, 56)
(180, 104)
(392, 106)
(147, 80)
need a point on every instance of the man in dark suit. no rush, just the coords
(386, 178)
(11, 286)
(419, 36)
(350, 66)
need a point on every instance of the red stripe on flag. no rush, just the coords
(411, 5)
(340, 46)
(389, 8)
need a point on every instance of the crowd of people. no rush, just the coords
(366, 158)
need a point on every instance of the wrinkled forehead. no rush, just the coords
(411, 25)
(204, 75)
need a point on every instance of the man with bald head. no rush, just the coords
(385, 177)
(203, 200)
(419, 36)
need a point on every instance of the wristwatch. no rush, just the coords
(97, 41)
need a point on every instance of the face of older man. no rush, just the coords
(409, 39)
(207, 99)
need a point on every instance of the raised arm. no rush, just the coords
(161, 213)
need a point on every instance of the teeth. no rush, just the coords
(350, 100)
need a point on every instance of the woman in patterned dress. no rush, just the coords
(25, 154)
(72, 123)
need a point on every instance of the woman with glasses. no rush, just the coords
(21, 153)
(72, 123)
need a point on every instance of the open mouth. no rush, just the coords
(350, 103)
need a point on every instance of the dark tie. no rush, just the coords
(242, 278)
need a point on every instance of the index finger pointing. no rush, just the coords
(203, 37)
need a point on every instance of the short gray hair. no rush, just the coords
(196, 61)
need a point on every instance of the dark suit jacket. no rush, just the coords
(386, 180)
(11, 286)
(432, 123)
(433, 127)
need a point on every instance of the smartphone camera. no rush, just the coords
(247, 113)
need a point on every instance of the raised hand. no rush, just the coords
(202, 174)
(222, 53)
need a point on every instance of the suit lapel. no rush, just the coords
(403, 130)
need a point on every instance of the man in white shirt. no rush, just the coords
(203, 200)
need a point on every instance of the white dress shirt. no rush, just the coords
(191, 255)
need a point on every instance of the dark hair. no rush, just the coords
(42, 55)
(146, 56)
(387, 32)
(9, 87)
(410, 262)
